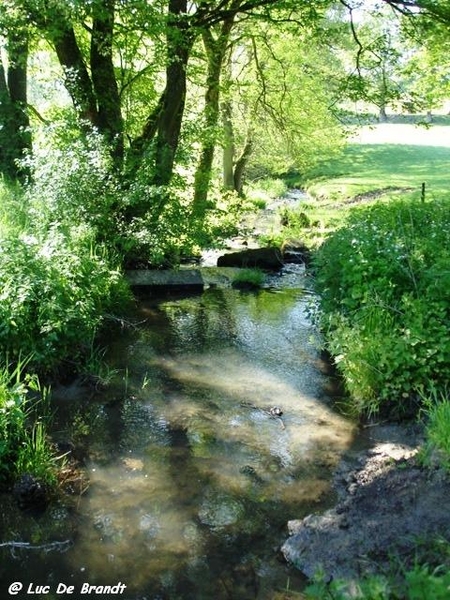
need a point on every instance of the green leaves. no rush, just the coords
(383, 281)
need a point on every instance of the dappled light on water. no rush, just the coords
(193, 477)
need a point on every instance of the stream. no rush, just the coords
(192, 479)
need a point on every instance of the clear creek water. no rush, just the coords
(192, 481)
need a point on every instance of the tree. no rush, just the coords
(427, 81)
(132, 67)
(277, 113)
(84, 38)
(15, 137)
(216, 46)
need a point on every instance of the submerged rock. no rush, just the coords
(30, 493)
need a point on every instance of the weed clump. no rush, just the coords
(248, 279)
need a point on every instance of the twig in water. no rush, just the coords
(59, 546)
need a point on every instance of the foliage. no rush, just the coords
(73, 182)
(281, 100)
(382, 279)
(265, 189)
(436, 414)
(36, 456)
(57, 284)
(54, 291)
(248, 279)
(419, 583)
(24, 447)
(57, 279)
(167, 231)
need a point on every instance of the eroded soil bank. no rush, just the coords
(387, 502)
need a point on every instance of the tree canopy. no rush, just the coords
(188, 89)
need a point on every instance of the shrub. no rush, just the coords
(165, 229)
(383, 282)
(73, 183)
(54, 293)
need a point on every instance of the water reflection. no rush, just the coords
(192, 479)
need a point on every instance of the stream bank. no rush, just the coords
(388, 503)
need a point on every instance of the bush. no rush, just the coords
(54, 294)
(73, 183)
(383, 281)
(164, 229)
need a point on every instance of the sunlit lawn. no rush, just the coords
(387, 156)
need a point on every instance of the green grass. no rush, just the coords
(248, 279)
(381, 162)
(386, 156)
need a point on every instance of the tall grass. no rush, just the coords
(24, 414)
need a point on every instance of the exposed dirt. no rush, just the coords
(369, 196)
(387, 501)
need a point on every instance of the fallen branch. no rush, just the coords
(60, 546)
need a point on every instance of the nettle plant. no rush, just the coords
(383, 280)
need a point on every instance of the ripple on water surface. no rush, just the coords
(192, 478)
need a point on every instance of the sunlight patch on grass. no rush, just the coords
(387, 157)
(401, 133)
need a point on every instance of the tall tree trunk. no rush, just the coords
(179, 43)
(76, 75)
(140, 144)
(215, 51)
(382, 114)
(228, 146)
(15, 135)
(241, 163)
(109, 120)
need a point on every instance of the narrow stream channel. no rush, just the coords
(192, 480)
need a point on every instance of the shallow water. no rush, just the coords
(192, 481)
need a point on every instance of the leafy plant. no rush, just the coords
(96, 369)
(35, 455)
(248, 279)
(382, 280)
(24, 446)
(54, 292)
(436, 415)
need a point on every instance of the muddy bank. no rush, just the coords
(386, 501)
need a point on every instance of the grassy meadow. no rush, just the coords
(379, 157)
(380, 163)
